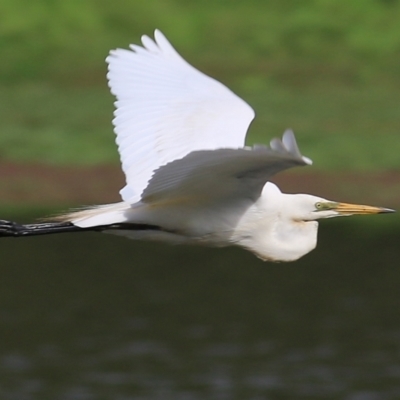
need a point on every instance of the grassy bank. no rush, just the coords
(328, 69)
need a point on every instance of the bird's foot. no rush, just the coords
(10, 228)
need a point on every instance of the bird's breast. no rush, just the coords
(276, 240)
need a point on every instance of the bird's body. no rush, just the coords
(259, 226)
(189, 177)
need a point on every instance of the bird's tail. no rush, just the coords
(98, 215)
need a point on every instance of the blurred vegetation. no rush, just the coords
(327, 68)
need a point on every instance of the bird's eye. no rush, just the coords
(319, 206)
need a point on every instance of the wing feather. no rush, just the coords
(212, 176)
(166, 109)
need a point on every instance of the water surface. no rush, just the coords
(92, 316)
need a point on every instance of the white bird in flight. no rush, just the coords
(189, 177)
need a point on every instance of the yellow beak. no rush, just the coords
(350, 209)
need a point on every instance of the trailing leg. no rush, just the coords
(13, 229)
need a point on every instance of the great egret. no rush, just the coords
(189, 178)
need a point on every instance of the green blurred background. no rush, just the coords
(92, 316)
(327, 68)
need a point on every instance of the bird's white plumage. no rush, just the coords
(189, 179)
(166, 109)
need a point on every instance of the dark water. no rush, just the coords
(92, 316)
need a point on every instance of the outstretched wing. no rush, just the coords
(166, 109)
(211, 176)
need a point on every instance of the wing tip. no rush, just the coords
(158, 34)
(148, 43)
(290, 143)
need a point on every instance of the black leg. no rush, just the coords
(13, 229)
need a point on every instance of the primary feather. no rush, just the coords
(166, 109)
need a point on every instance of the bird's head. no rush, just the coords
(310, 208)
